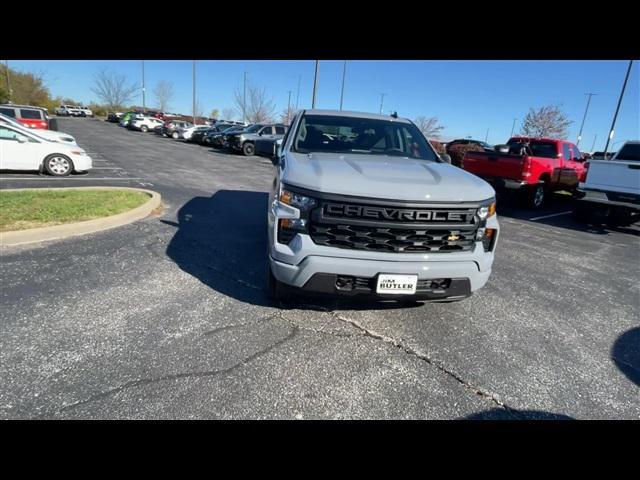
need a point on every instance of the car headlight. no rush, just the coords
(487, 210)
(297, 200)
(288, 227)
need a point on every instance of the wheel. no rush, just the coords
(144, 128)
(248, 149)
(537, 196)
(58, 165)
(175, 135)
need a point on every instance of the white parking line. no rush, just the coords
(549, 216)
(107, 168)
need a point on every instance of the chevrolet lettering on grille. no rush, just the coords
(393, 214)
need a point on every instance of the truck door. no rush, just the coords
(568, 176)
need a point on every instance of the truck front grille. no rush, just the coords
(437, 230)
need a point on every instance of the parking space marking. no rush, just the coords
(549, 216)
(70, 178)
(107, 168)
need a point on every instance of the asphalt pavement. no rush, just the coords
(167, 317)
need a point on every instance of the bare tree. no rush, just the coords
(164, 95)
(287, 115)
(429, 126)
(259, 109)
(228, 114)
(547, 121)
(113, 89)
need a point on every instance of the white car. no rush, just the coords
(67, 110)
(24, 150)
(186, 133)
(85, 111)
(46, 134)
(144, 124)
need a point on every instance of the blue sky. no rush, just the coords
(468, 97)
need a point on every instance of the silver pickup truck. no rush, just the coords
(362, 205)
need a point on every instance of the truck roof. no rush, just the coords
(543, 139)
(344, 113)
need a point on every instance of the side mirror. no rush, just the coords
(446, 157)
(22, 139)
(501, 148)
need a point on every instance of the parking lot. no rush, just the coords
(167, 317)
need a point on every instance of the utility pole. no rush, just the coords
(594, 142)
(486, 137)
(615, 116)
(289, 107)
(9, 92)
(194, 92)
(298, 94)
(244, 100)
(584, 117)
(344, 72)
(315, 84)
(381, 101)
(513, 127)
(144, 105)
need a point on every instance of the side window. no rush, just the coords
(30, 114)
(566, 151)
(280, 130)
(9, 112)
(8, 134)
(576, 153)
(266, 131)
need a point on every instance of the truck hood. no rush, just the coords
(385, 177)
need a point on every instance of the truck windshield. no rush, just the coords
(630, 151)
(365, 136)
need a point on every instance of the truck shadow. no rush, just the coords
(560, 206)
(222, 241)
(502, 414)
(625, 353)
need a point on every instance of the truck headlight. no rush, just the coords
(488, 210)
(297, 200)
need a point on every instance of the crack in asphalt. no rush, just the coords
(410, 351)
(177, 376)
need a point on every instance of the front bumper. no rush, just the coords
(312, 267)
(82, 162)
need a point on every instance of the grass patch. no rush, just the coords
(43, 208)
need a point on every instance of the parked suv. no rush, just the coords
(363, 205)
(67, 111)
(170, 128)
(32, 117)
(144, 123)
(245, 141)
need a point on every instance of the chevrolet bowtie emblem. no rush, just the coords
(453, 238)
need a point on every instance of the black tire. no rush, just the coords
(275, 289)
(536, 197)
(248, 149)
(144, 128)
(58, 165)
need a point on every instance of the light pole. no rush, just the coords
(194, 92)
(244, 100)
(486, 137)
(9, 92)
(584, 117)
(315, 84)
(144, 105)
(615, 116)
(594, 142)
(382, 95)
(513, 127)
(344, 72)
(288, 107)
(298, 94)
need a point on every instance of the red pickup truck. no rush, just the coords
(534, 166)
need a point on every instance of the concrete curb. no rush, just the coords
(58, 232)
